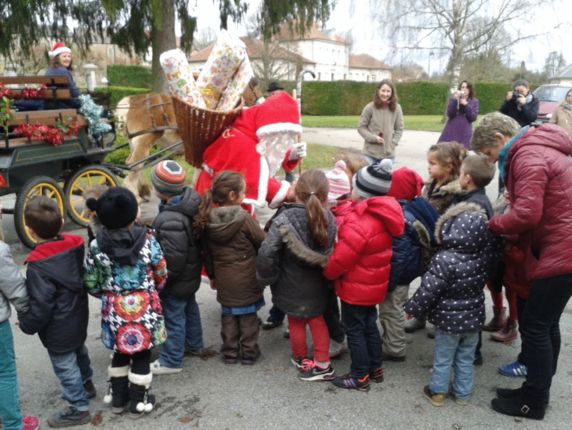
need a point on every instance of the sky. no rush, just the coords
(550, 21)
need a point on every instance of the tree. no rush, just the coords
(460, 27)
(554, 63)
(134, 25)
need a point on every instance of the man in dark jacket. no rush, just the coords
(521, 104)
(59, 307)
(536, 164)
(173, 227)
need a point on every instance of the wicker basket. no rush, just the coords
(200, 127)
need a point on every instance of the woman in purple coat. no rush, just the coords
(462, 110)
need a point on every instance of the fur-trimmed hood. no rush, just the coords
(462, 227)
(293, 227)
(225, 222)
(451, 187)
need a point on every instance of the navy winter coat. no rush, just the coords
(451, 292)
(412, 250)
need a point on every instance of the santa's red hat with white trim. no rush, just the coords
(57, 49)
(278, 114)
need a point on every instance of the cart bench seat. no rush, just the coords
(56, 86)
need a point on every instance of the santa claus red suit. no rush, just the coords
(261, 140)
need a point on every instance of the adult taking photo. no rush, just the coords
(520, 104)
(462, 111)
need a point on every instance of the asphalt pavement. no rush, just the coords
(209, 394)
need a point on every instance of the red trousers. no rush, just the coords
(320, 337)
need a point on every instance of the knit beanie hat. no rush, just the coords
(168, 178)
(406, 184)
(338, 181)
(116, 208)
(373, 180)
(57, 49)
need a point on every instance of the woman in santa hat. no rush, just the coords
(61, 65)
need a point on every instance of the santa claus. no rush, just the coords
(263, 139)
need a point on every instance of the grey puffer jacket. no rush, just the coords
(12, 285)
(183, 253)
(451, 291)
(291, 263)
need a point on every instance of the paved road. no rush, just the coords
(210, 394)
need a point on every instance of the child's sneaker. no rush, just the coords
(513, 370)
(299, 362)
(158, 369)
(350, 383)
(434, 398)
(376, 375)
(69, 417)
(310, 371)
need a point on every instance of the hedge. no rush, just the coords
(117, 93)
(416, 98)
(129, 76)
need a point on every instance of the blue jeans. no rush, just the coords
(9, 401)
(454, 351)
(184, 329)
(73, 369)
(364, 341)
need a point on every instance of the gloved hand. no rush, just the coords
(299, 150)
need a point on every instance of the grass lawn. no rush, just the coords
(412, 122)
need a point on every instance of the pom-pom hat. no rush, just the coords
(168, 178)
(57, 49)
(116, 208)
(373, 180)
(338, 181)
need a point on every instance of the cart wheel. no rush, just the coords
(37, 186)
(82, 179)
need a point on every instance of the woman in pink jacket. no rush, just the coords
(536, 165)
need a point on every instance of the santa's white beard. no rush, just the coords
(274, 146)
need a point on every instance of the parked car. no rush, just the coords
(550, 96)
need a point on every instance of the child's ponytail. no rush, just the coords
(223, 184)
(312, 191)
(202, 217)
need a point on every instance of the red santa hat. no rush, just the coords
(278, 114)
(57, 49)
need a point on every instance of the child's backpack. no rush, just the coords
(413, 250)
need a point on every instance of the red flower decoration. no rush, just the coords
(132, 338)
(132, 306)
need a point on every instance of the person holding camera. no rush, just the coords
(521, 104)
(462, 111)
(381, 123)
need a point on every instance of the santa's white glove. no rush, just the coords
(299, 150)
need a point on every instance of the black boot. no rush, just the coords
(140, 401)
(507, 393)
(516, 407)
(118, 394)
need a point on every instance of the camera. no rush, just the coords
(515, 96)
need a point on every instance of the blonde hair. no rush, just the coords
(353, 161)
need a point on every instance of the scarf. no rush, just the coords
(504, 152)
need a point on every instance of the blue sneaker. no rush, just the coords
(513, 370)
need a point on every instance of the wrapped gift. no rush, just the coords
(180, 77)
(222, 65)
(235, 88)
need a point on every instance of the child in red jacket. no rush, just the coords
(360, 266)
